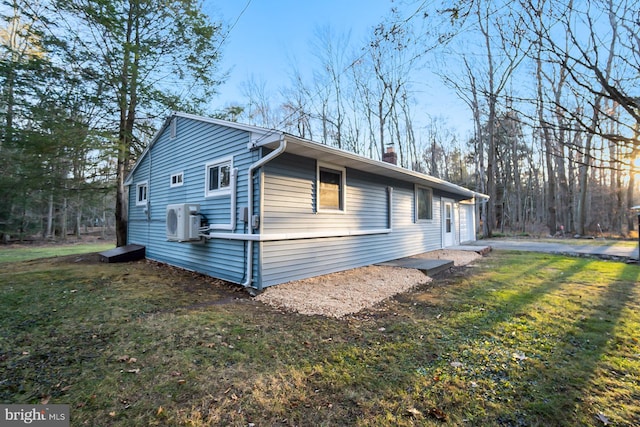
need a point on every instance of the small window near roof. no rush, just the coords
(218, 178)
(177, 179)
(424, 203)
(174, 127)
(331, 188)
(142, 191)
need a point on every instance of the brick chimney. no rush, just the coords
(390, 156)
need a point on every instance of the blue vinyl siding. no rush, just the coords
(290, 205)
(289, 190)
(284, 198)
(196, 143)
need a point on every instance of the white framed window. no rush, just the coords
(177, 179)
(218, 177)
(142, 193)
(424, 203)
(331, 188)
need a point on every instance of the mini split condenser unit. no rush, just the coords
(183, 222)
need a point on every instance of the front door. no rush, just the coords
(448, 226)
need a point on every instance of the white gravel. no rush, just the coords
(348, 292)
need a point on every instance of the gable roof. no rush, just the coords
(269, 138)
(256, 132)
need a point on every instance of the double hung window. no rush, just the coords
(218, 178)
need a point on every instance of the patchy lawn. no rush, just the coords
(519, 339)
(15, 253)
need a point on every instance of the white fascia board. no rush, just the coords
(225, 123)
(259, 139)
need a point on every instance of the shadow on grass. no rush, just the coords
(497, 309)
(579, 355)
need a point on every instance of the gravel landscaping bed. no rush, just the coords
(348, 292)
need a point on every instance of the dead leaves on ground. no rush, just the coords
(129, 361)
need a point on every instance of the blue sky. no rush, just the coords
(271, 34)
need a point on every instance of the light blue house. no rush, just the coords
(259, 207)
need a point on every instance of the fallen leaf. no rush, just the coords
(457, 364)
(132, 360)
(123, 359)
(45, 400)
(413, 412)
(519, 356)
(133, 371)
(159, 411)
(176, 373)
(603, 419)
(438, 414)
(112, 414)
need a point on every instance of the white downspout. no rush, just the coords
(275, 153)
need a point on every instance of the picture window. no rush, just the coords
(424, 203)
(331, 188)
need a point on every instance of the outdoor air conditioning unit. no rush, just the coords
(183, 222)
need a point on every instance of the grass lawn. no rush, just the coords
(521, 339)
(24, 252)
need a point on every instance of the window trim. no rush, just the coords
(343, 187)
(416, 210)
(142, 201)
(223, 161)
(178, 183)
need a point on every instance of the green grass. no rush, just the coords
(24, 253)
(521, 339)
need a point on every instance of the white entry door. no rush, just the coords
(448, 225)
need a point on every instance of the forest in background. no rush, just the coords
(551, 86)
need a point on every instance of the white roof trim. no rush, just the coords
(263, 137)
(258, 134)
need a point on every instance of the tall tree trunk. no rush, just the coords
(128, 105)
(631, 218)
(63, 220)
(49, 232)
